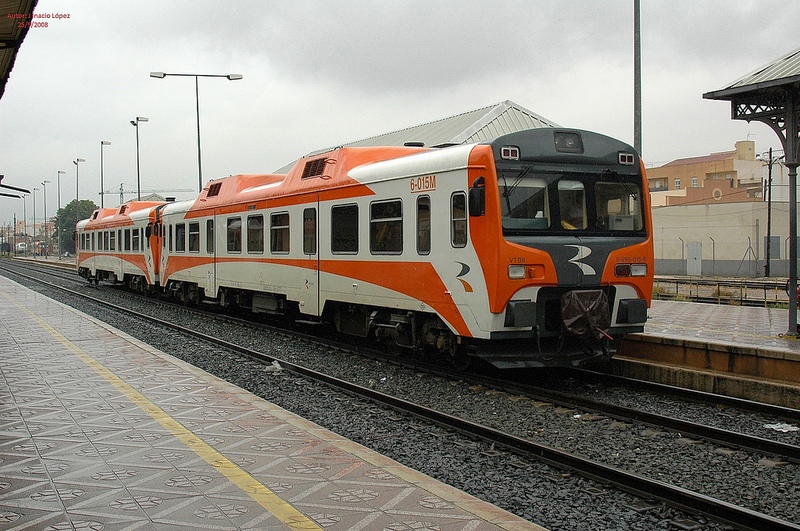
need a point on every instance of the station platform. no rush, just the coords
(743, 326)
(100, 431)
(741, 351)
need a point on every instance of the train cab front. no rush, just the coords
(565, 239)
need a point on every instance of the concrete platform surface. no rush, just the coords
(100, 431)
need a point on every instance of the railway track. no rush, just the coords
(730, 514)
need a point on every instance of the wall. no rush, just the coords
(731, 238)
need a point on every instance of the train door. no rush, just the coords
(311, 302)
(211, 251)
(152, 245)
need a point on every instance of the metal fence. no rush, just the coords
(765, 293)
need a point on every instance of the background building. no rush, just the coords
(711, 216)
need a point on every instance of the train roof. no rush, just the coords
(325, 172)
(119, 215)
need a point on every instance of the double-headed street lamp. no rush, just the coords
(76, 162)
(135, 123)
(44, 196)
(230, 77)
(102, 195)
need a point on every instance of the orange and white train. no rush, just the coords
(533, 249)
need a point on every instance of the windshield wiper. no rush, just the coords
(633, 194)
(508, 190)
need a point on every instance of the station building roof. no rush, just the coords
(479, 125)
(11, 34)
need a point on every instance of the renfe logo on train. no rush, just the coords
(423, 184)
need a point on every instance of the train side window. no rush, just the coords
(170, 239)
(210, 236)
(279, 232)
(423, 225)
(458, 219)
(127, 239)
(255, 234)
(180, 237)
(310, 231)
(194, 237)
(386, 227)
(135, 239)
(93, 237)
(112, 241)
(344, 229)
(234, 235)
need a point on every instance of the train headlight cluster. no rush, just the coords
(630, 270)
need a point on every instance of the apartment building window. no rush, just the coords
(677, 184)
(694, 182)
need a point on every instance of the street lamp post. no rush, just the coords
(58, 183)
(135, 123)
(76, 162)
(34, 221)
(25, 221)
(102, 195)
(230, 77)
(44, 197)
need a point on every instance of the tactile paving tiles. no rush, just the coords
(76, 452)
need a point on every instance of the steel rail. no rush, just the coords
(694, 395)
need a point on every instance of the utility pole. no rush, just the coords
(637, 78)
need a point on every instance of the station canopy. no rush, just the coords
(11, 35)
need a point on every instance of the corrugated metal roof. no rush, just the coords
(784, 67)
(479, 125)
(775, 75)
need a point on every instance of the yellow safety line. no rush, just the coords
(247, 483)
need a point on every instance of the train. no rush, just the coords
(534, 249)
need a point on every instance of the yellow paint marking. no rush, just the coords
(239, 477)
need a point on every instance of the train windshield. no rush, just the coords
(590, 203)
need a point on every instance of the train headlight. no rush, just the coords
(630, 270)
(517, 271)
(568, 142)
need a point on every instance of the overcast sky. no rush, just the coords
(321, 72)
